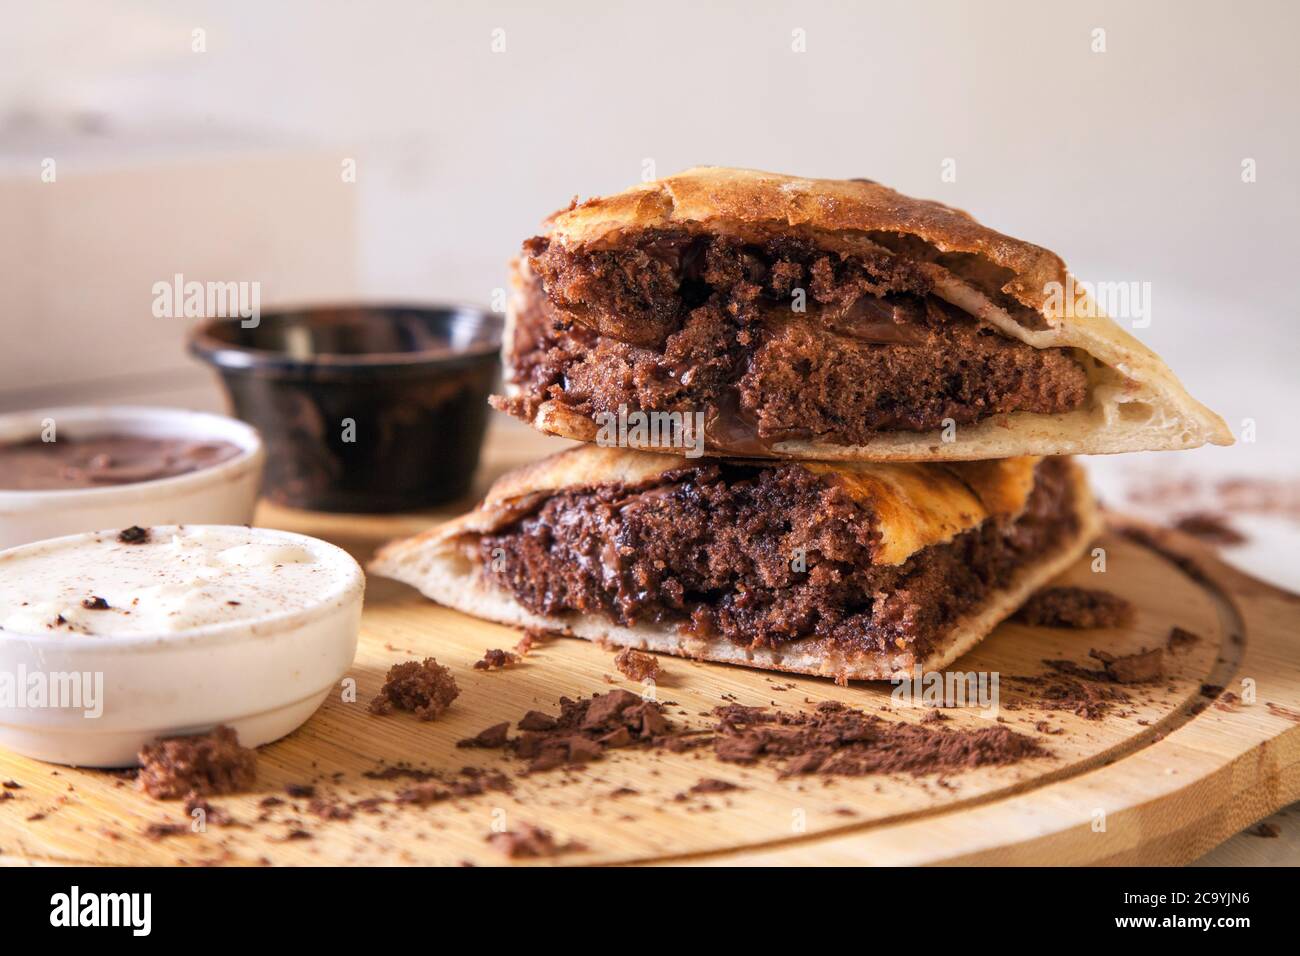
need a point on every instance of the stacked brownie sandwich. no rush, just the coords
(826, 428)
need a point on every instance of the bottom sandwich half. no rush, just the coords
(857, 571)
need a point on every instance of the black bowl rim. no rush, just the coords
(228, 357)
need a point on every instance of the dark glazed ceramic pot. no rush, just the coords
(361, 408)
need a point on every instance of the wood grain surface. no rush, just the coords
(1162, 778)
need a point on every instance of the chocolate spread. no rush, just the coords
(102, 460)
(713, 549)
(682, 323)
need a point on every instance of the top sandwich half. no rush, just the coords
(822, 319)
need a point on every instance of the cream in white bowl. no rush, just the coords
(224, 492)
(106, 645)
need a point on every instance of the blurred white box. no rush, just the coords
(80, 253)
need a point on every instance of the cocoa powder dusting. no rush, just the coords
(835, 739)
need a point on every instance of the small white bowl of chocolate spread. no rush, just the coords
(64, 470)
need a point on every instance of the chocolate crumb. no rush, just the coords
(133, 535)
(636, 666)
(1145, 665)
(425, 688)
(835, 739)
(533, 636)
(330, 810)
(489, 738)
(1209, 527)
(217, 816)
(1277, 710)
(300, 790)
(1075, 607)
(1180, 638)
(203, 764)
(713, 785)
(95, 603)
(1265, 829)
(12, 785)
(530, 841)
(536, 720)
(423, 794)
(156, 831)
(586, 728)
(496, 659)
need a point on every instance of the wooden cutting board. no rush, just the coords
(1160, 779)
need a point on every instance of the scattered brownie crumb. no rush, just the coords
(586, 728)
(328, 809)
(1145, 665)
(1075, 607)
(1210, 527)
(1180, 639)
(1228, 702)
(425, 688)
(835, 739)
(536, 720)
(95, 603)
(489, 738)
(636, 666)
(534, 636)
(529, 841)
(133, 535)
(156, 831)
(933, 716)
(303, 790)
(217, 816)
(713, 785)
(400, 771)
(495, 660)
(1268, 830)
(211, 763)
(12, 785)
(1277, 710)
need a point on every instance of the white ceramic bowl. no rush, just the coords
(226, 493)
(263, 676)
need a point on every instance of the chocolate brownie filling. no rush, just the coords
(707, 323)
(762, 556)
